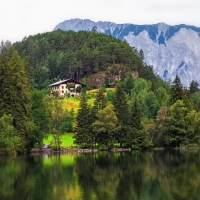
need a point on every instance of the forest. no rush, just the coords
(141, 112)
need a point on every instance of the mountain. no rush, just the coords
(169, 49)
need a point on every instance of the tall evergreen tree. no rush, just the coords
(15, 98)
(136, 133)
(40, 117)
(84, 136)
(193, 87)
(136, 121)
(122, 112)
(176, 92)
(100, 100)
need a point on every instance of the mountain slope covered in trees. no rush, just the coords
(68, 54)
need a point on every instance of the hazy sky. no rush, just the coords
(19, 18)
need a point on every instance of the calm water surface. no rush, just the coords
(156, 175)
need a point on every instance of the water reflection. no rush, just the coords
(169, 175)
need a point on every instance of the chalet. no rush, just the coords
(68, 86)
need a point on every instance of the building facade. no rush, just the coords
(68, 87)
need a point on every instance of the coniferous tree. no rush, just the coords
(84, 136)
(100, 100)
(15, 96)
(176, 92)
(41, 118)
(193, 87)
(137, 133)
(136, 121)
(122, 112)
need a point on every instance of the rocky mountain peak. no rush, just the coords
(169, 49)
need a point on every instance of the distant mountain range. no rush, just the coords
(169, 49)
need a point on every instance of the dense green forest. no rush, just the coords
(61, 55)
(142, 112)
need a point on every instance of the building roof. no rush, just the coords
(65, 81)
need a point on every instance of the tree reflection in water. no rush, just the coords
(169, 175)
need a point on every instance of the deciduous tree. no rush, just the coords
(106, 126)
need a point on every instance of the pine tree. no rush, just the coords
(136, 115)
(193, 87)
(176, 92)
(122, 112)
(137, 133)
(15, 98)
(84, 135)
(40, 117)
(100, 100)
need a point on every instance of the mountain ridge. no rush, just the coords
(169, 49)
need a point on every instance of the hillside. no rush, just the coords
(169, 49)
(68, 54)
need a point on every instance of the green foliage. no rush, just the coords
(136, 116)
(56, 141)
(105, 127)
(63, 54)
(176, 92)
(66, 122)
(110, 95)
(121, 105)
(162, 96)
(141, 84)
(15, 96)
(9, 141)
(84, 136)
(176, 122)
(148, 103)
(40, 116)
(123, 114)
(128, 83)
(193, 87)
(195, 99)
(100, 100)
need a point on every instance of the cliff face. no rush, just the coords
(170, 50)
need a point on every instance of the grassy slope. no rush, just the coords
(73, 103)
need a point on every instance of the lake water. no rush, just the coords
(156, 175)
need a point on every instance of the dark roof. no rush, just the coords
(65, 81)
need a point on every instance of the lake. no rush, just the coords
(154, 175)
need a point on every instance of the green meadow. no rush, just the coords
(66, 139)
(73, 103)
